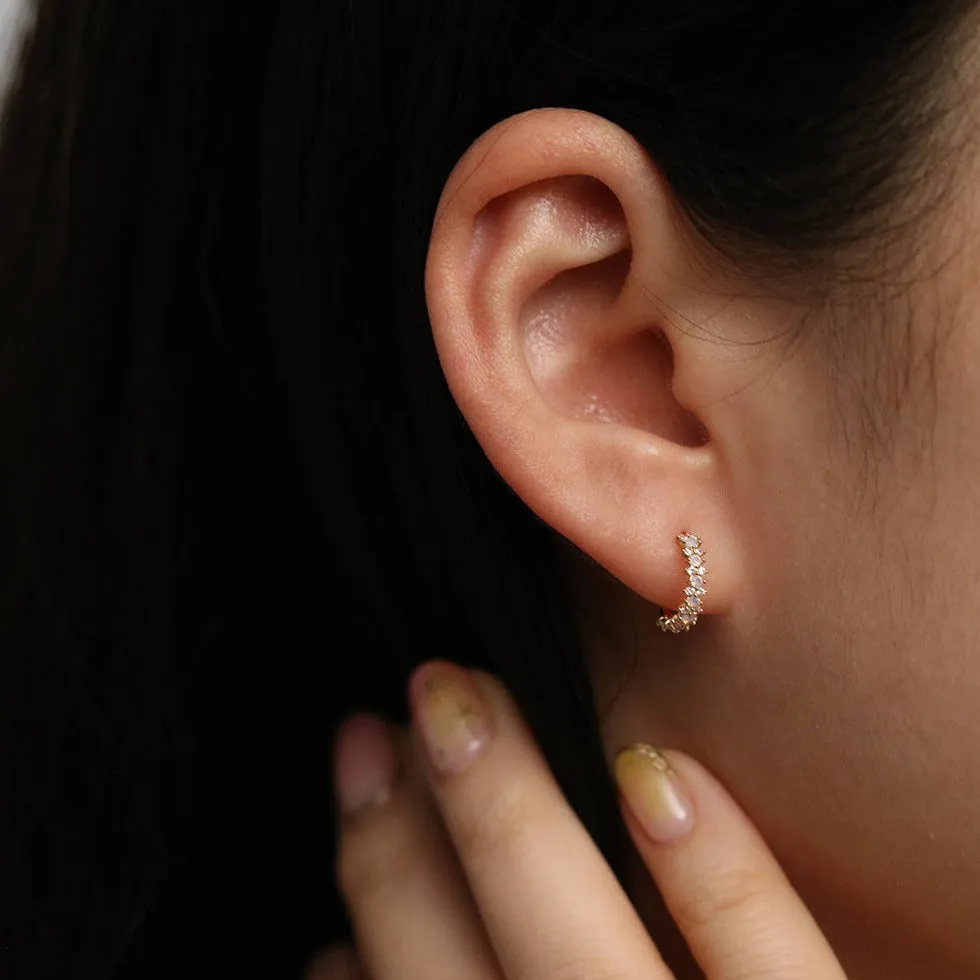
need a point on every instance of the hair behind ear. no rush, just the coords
(237, 498)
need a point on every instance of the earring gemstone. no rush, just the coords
(687, 613)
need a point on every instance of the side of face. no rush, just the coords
(630, 384)
(840, 695)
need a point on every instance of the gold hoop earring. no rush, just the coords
(687, 612)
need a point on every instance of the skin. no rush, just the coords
(630, 383)
(458, 856)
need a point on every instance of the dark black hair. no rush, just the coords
(237, 500)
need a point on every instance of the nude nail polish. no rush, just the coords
(364, 763)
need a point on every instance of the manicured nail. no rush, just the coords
(654, 792)
(451, 715)
(364, 763)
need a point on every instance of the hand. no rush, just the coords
(470, 864)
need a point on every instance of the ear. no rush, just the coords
(561, 292)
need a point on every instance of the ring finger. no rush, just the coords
(412, 912)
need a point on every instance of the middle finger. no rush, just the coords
(549, 901)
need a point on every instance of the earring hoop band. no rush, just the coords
(687, 612)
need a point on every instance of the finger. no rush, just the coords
(336, 963)
(734, 905)
(550, 903)
(412, 914)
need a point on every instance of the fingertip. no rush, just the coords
(710, 794)
(717, 810)
(364, 763)
(655, 793)
(335, 963)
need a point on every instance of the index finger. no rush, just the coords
(734, 905)
(549, 901)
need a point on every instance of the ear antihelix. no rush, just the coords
(564, 223)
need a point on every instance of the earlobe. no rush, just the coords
(555, 252)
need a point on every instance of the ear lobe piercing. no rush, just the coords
(687, 613)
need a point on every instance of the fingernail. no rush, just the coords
(364, 763)
(654, 792)
(451, 715)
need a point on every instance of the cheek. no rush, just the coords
(859, 656)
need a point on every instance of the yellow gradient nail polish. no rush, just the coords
(452, 716)
(654, 792)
